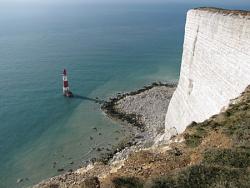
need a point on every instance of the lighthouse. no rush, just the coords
(66, 91)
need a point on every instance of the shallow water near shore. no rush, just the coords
(106, 49)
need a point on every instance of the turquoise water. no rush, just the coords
(106, 48)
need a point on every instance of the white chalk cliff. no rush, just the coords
(215, 66)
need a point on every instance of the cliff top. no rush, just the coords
(224, 11)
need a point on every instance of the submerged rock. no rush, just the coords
(54, 164)
(19, 180)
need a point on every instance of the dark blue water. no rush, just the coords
(107, 48)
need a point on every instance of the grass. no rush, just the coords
(227, 157)
(220, 167)
(203, 176)
(192, 140)
(195, 136)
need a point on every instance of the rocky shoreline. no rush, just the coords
(144, 108)
(131, 110)
(143, 112)
(213, 153)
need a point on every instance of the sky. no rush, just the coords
(7, 4)
(121, 1)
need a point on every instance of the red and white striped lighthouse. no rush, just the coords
(66, 91)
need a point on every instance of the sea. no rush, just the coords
(106, 48)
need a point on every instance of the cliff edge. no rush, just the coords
(215, 66)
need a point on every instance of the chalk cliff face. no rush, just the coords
(215, 66)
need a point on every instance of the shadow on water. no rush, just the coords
(96, 100)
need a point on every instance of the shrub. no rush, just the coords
(127, 182)
(192, 140)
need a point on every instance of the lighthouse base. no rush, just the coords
(68, 94)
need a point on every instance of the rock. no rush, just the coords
(92, 182)
(139, 136)
(94, 128)
(54, 164)
(70, 170)
(99, 133)
(93, 160)
(20, 180)
(72, 162)
(177, 152)
(60, 169)
(53, 185)
(91, 138)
